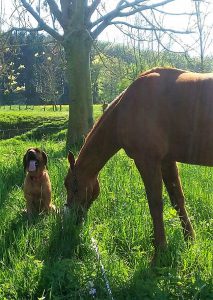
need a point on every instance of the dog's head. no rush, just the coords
(34, 160)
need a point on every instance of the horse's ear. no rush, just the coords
(71, 160)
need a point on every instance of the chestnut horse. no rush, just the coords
(165, 116)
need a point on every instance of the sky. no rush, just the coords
(174, 22)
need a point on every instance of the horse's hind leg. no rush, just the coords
(173, 185)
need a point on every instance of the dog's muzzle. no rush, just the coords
(33, 164)
(32, 161)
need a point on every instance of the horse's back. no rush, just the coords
(169, 113)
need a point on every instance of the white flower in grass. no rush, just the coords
(21, 67)
(20, 88)
(13, 83)
(11, 77)
(92, 292)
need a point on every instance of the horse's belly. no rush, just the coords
(199, 151)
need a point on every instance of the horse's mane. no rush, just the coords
(114, 103)
(110, 108)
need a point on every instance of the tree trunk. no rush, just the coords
(77, 48)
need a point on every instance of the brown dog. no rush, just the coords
(37, 185)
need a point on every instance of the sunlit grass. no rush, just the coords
(52, 258)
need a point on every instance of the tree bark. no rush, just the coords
(77, 50)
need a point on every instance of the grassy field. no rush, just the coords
(51, 258)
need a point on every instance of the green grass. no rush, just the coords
(51, 258)
(36, 122)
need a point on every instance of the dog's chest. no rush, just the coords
(34, 188)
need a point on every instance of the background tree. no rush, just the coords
(32, 44)
(111, 71)
(75, 25)
(49, 72)
(18, 77)
(204, 40)
(115, 66)
(11, 83)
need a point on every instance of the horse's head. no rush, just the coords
(81, 190)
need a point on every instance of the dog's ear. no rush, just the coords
(25, 159)
(25, 162)
(44, 155)
(71, 159)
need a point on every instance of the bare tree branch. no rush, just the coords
(41, 23)
(135, 6)
(93, 7)
(153, 28)
(173, 14)
(168, 49)
(55, 11)
(25, 29)
(169, 34)
(120, 11)
(120, 3)
(66, 8)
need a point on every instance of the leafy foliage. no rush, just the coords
(36, 69)
(114, 67)
(33, 68)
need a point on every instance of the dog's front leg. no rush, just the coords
(46, 197)
(29, 206)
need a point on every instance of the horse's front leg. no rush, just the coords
(150, 170)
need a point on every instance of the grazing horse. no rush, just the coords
(165, 116)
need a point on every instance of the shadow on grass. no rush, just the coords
(57, 249)
(11, 234)
(36, 132)
(9, 178)
(61, 273)
(164, 283)
(46, 130)
(166, 280)
(144, 285)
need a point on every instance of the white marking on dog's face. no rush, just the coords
(32, 166)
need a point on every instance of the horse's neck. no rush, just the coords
(101, 144)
